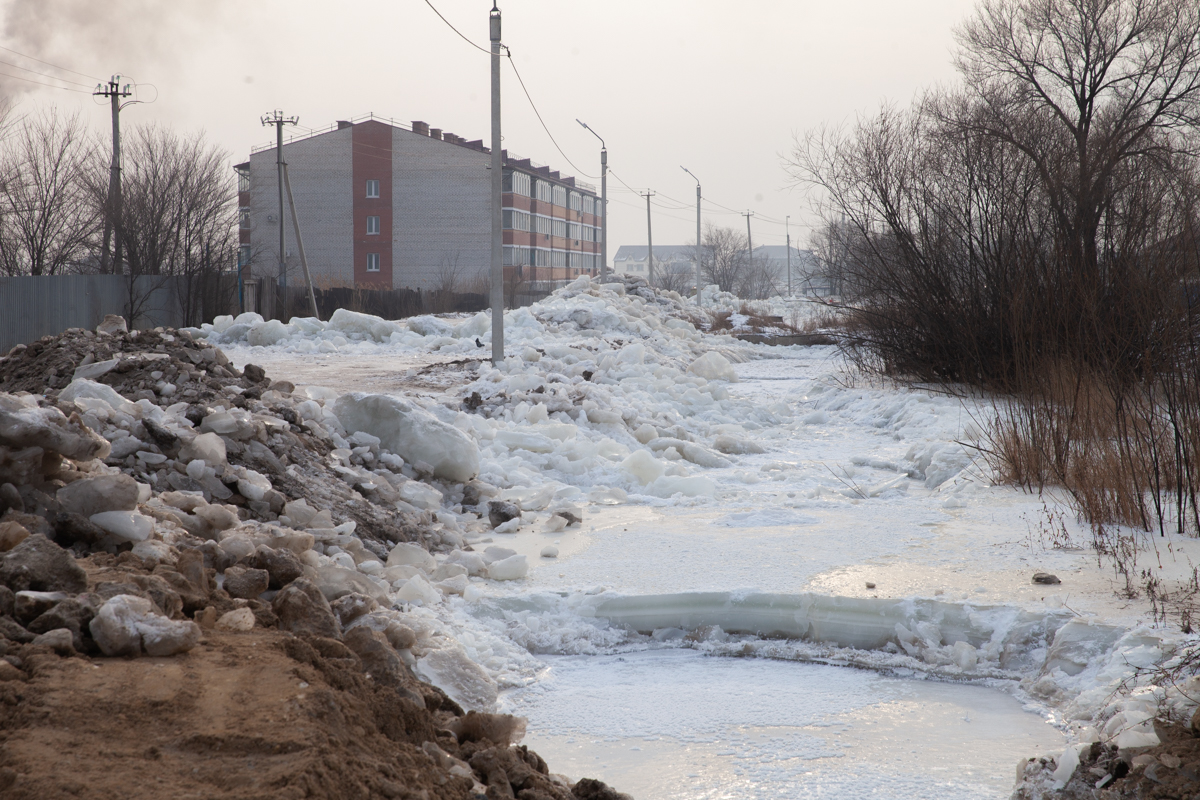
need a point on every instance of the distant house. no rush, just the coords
(631, 259)
(807, 277)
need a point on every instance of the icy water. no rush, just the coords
(866, 510)
(676, 725)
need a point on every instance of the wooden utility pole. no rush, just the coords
(112, 222)
(277, 119)
(649, 240)
(312, 297)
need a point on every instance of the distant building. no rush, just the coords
(807, 277)
(386, 205)
(631, 259)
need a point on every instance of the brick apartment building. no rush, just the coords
(384, 205)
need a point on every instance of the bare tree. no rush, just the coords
(674, 277)
(722, 256)
(1082, 89)
(178, 220)
(47, 218)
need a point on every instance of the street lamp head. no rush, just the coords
(588, 128)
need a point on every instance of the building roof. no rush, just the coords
(662, 252)
(437, 134)
(778, 252)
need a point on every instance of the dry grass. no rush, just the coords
(1127, 454)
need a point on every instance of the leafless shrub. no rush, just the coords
(47, 218)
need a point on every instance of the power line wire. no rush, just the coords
(48, 64)
(43, 83)
(43, 74)
(533, 105)
(456, 30)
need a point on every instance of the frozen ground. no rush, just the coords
(761, 503)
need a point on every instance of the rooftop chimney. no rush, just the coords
(435, 133)
(344, 124)
(420, 127)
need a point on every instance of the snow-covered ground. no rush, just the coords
(741, 500)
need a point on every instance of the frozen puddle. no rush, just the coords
(680, 724)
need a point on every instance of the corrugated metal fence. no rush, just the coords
(33, 306)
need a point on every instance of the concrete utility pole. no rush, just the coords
(603, 201)
(312, 297)
(699, 246)
(277, 119)
(649, 241)
(749, 240)
(786, 220)
(497, 190)
(114, 92)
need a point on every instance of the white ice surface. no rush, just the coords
(676, 724)
(858, 483)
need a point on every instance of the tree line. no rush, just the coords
(1033, 230)
(178, 217)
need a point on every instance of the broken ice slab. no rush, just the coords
(860, 622)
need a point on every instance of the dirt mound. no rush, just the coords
(245, 715)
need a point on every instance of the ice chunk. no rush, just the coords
(643, 466)
(412, 433)
(417, 589)
(124, 526)
(363, 326)
(208, 447)
(411, 555)
(690, 486)
(965, 656)
(453, 671)
(421, 495)
(1068, 762)
(430, 326)
(713, 366)
(473, 561)
(265, 334)
(83, 388)
(127, 625)
(509, 569)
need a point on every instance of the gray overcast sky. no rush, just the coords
(720, 87)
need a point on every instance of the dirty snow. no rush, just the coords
(735, 499)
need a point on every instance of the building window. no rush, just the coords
(373, 189)
(243, 180)
(545, 192)
(244, 255)
(576, 200)
(372, 262)
(541, 224)
(517, 183)
(559, 258)
(599, 209)
(560, 228)
(573, 230)
(244, 218)
(560, 196)
(515, 220)
(589, 204)
(372, 226)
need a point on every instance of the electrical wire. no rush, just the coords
(48, 64)
(533, 105)
(43, 74)
(43, 83)
(456, 30)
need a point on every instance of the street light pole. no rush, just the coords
(786, 220)
(497, 191)
(603, 200)
(699, 248)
